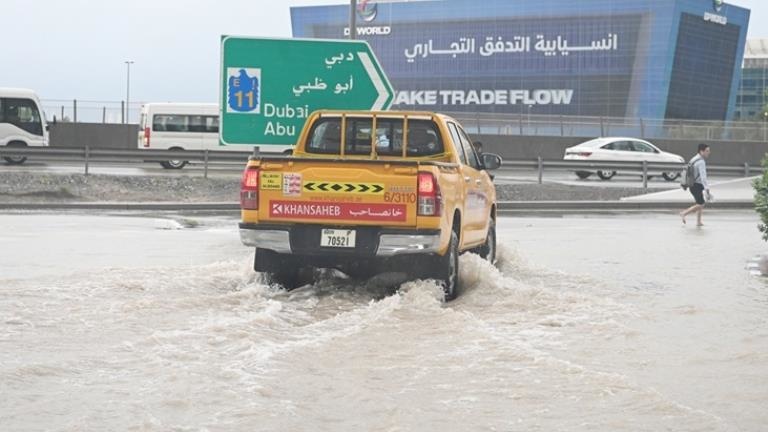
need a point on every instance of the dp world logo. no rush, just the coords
(366, 10)
(717, 3)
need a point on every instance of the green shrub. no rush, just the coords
(761, 199)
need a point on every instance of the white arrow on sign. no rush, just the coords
(378, 105)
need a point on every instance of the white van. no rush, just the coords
(22, 122)
(182, 126)
(179, 126)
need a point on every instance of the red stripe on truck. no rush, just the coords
(337, 211)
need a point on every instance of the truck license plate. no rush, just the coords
(337, 238)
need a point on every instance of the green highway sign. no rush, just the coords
(270, 86)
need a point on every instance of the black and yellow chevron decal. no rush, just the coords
(344, 188)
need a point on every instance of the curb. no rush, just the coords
(596, 206)
(503, 206)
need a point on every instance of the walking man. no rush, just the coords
(700, 184)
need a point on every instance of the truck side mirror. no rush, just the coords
(491, 161)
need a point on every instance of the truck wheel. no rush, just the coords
(448, 269)
(282, 270)
(360, 270)
(291, 278)
(488, 250)
(16, 160)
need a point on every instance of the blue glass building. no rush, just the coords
(753, 91)
(621, 58)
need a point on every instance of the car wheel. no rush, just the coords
(670, 176)
(448, 269)
(16, 160)
(488, 250)
(583, 174)
(174, 163)
(606, 175)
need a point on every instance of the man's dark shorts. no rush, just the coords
(697, 190)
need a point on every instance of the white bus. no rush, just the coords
(183, 126)
(22, 123)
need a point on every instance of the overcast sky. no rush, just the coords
(76, 49)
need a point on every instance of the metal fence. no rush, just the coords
(578, 126)
(90, 111)
(90, 156)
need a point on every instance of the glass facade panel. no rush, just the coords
(753, 93)
(703, 69)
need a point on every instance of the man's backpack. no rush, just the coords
(688, 175)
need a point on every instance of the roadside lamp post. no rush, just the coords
(128, 64)
(352, 17)
(529, 116)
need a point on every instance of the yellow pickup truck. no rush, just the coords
(371, 192)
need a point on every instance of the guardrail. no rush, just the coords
(207, 157)
(640, 167)
(89, 155)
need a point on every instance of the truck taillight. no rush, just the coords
(146, 136)
(249, 189)
(430, 200)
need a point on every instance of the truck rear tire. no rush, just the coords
(282, 270)
(447, 271)
(291, 278)
(488, 250)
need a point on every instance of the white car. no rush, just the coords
(620, 149)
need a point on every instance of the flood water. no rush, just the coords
(601, 323)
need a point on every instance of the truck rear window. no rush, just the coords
(423, 137)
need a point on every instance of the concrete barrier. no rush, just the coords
(95, 135)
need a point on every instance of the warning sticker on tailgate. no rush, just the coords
(344, 188)
(337, 211)
(292, 184)
(271, 181)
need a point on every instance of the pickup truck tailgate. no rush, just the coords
(329, 192)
